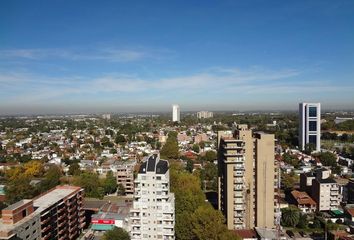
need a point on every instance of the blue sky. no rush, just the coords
(112, 56)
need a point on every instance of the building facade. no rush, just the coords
(56, 214)
(350, 190)
(125, 177)
(204, 114)
(325, 191)
(153, 212)
(175, 113)
(310, 125)
(246, 178)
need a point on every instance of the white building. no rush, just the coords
(204, 114)
(175, 113)
(310, 125)
(153, 212)
(106, 116)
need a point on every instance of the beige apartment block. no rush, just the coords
(246, 178)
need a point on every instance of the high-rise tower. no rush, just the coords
(153, 212)
(175, 113)
(310, 125)
(246, 178)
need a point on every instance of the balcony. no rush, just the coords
(238, 181)
(61, 217)
(61, 210)
(166, 232)
(238, 221)
(45, 229)
(63, 237)
(61, 224)
(136, 223)
(45, 220)
(71, 229)
(239, 207)
(234, 146)
(47, 236)
(167, 217)
(234, 154)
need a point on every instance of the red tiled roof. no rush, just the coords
(246, 233)
(351, 211)
(302, 198)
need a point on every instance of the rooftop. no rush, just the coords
(154, 164)
(17, 204)
(327, 180)
(302, 198)
(46, 200)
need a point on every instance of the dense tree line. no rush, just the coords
(94, 186)
(19, 184)
(170, 149)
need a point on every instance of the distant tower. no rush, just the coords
(310, 125)
(175, 113)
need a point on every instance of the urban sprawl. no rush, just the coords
(192, 175)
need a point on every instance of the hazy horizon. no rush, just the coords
(87, 57)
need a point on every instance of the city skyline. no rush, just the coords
(65, 57)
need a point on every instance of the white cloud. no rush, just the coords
(258, 81)
(104, 54)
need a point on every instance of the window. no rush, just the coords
(313, 139)
(24, 213)
(312, 111)
(158, 178)
(313, 125)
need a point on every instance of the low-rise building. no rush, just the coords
(303, 201)
(204, 114)
(322, 188)
(326, 194)
(125, 177)
(111, 215)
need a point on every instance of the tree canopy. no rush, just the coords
(170, 150)
(290, 216)
(195, 218)
(116, 234)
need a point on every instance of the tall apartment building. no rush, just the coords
(56, 214)
(125, 176)
(175, 113)
(310, 125)
(246, 178)
(153, 212)
(204, 114)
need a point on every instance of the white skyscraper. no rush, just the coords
(153, 211)
(175, 113)
(310, 125)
